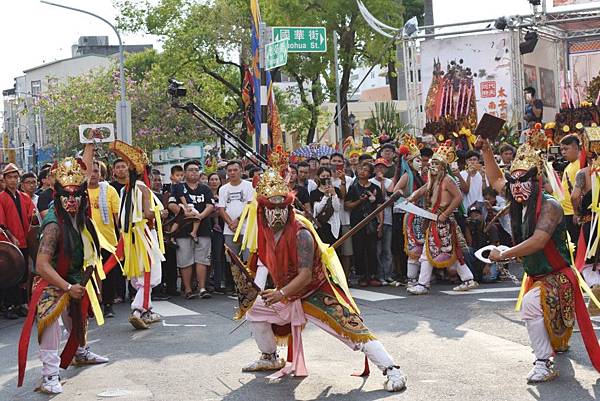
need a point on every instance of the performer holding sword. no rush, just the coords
(552, 290)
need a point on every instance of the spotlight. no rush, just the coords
(501, 23)
(531, 39)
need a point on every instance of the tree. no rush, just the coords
(91, 99)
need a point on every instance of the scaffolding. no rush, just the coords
(562, 28)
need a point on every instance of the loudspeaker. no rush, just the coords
(531, 39)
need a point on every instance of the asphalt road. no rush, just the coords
(452, 347)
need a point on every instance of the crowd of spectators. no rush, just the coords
(202, 214)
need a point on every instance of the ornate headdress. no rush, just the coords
(69, 172)
(445, 153)
(134, 156)
(591, 139)
(271, 187)
(409, 148)
(528, 154)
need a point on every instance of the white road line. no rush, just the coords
(165, 324)
(497, 299)
(372, 295)
(165, 309)
(482, 291)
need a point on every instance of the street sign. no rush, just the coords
(302, 39)
(276, 54)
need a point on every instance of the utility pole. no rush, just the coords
(123, 109)
(339, 136)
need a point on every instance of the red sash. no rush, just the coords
(588, 334)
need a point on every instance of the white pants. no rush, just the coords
(374, 349)
(412, 269)
(590, 276)
(427, 269)
(155, 279)
(50, 343)
(532, 314)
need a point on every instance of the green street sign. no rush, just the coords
(276, 54)
(302, 39)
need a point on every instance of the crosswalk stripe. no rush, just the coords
(497, 299)
(372, 295)
(165, 309)
(482, 291)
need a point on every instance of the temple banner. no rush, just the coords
(463, 78)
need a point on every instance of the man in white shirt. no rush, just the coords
(233, 198)
(472, 180)
(341, 181)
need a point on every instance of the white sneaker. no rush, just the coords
(87, 357)
(50, 385)
(396, 381)
(418, 289)
(543, 371)
(467, 285)
(411, 282)
(266, 362)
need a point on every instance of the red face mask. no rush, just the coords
(521, 191)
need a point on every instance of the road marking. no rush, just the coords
(497, 299)
(165, 324)
(482, 291)
(165, 309)
(372, 295)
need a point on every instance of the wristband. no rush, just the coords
(69, 287)
(282, 294)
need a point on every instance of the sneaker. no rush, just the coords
(11, 313)
(411, 282)
(395, 381)
(543, 371)
(136, 320)
(108, 311)
(418, 289)
(160, 297)
(466, 286)
(87, 357)
(266, 362)
(150, 317)
(50, 385)
(204, 294)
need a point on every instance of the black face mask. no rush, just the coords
(524, 178)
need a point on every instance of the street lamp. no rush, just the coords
(123, 107)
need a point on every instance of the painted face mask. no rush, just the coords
(276, 217)
(436, 168)
(416, 164)
(520, 189)
(70, 200)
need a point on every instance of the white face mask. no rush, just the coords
(416, 164)
(276, 217)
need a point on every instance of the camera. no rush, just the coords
(176, 88)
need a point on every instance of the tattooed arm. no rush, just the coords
(550, 217)
(306, 251)
(578, 190)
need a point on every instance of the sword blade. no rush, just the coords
(417, 211)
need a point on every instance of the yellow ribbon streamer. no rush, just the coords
(521, 293)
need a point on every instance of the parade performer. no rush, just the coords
(586, 192)
(413, 226)
(67, 263)
(444, 240)
(141, 244)
(552, 293)
(308, 284)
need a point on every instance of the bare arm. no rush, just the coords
(578, 190)
(494, 174)
(349, 205)
(465, 186)
(401, 184)
(418, 194)
(46, 251)
(88, 158)
(148, 213)
(550, 217)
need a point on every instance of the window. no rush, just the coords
(36, 87)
